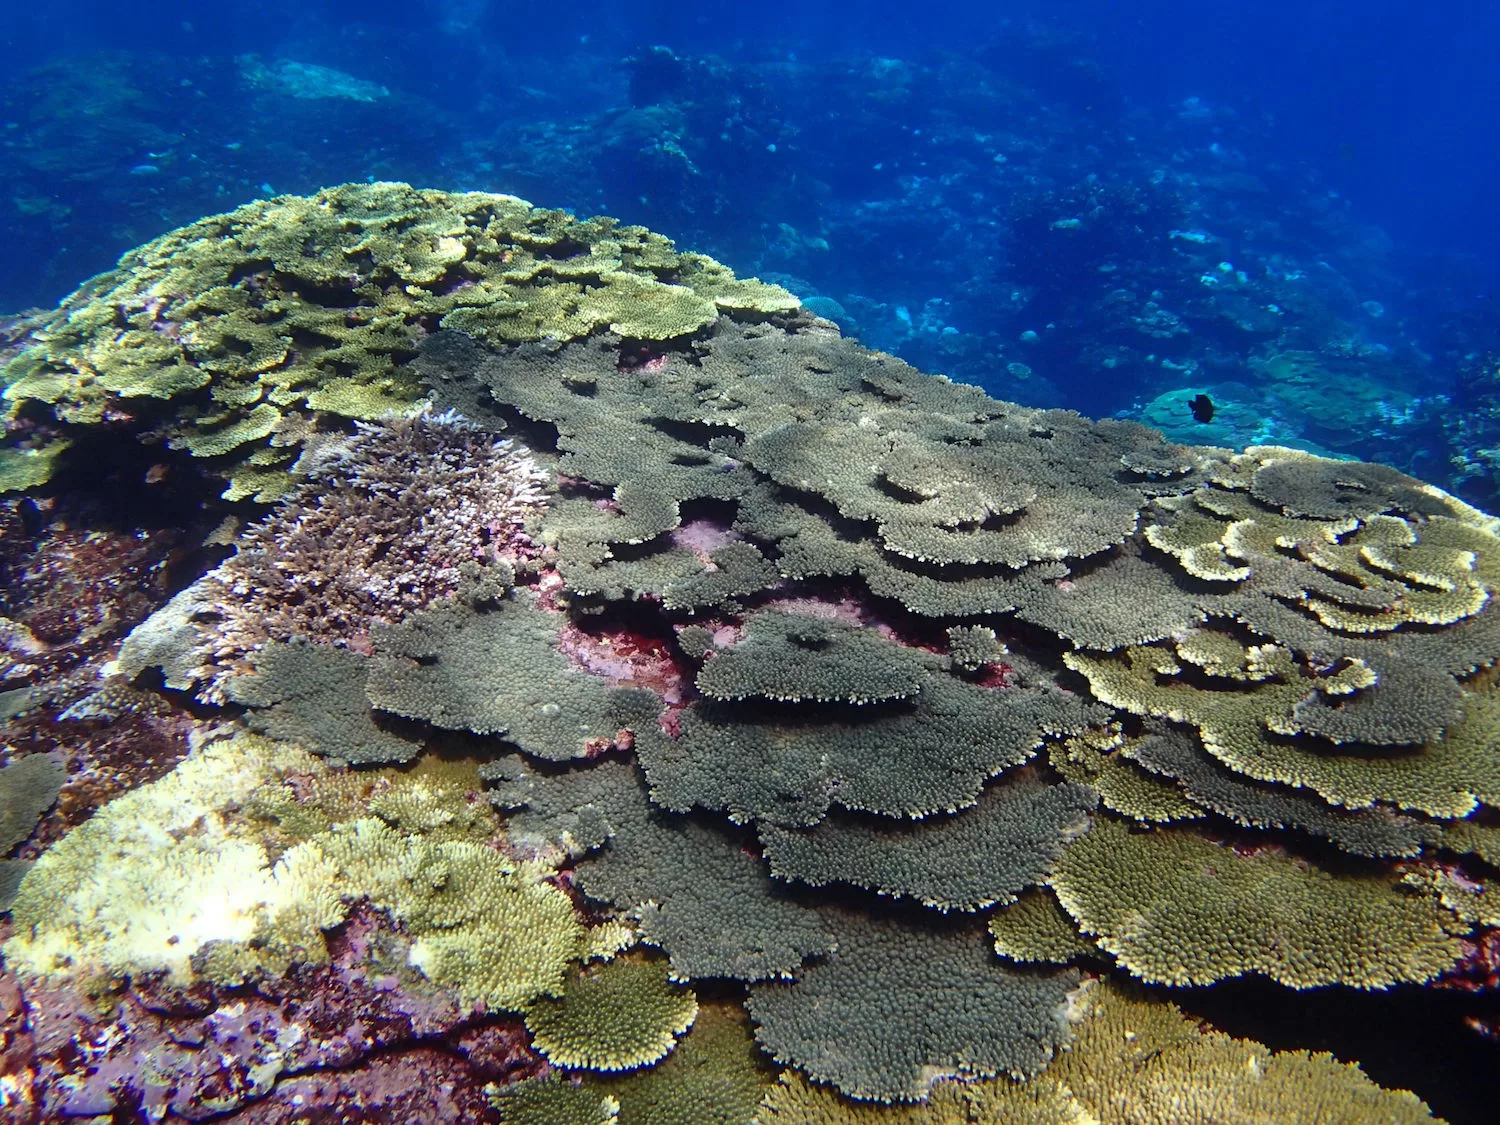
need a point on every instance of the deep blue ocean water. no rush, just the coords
(1100, 206)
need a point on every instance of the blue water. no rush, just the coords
(1328, 169)
(1392, 102)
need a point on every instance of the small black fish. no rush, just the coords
(1202, 407)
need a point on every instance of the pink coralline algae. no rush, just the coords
(386, 526)
(626, 658)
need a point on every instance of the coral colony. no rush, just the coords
(598, 691)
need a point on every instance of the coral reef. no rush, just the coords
(243, 329)
(846, 689)
(1140, 1062)
(622, 1015)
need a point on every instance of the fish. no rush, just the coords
(1202, 407)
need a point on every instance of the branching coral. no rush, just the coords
(165, 870)
(387, 526)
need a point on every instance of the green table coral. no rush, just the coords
(226, 338)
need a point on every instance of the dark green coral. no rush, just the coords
(902, 1002)
(963, 861)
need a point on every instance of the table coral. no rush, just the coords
(706, 902)
(313, 695)
(788, 608)
(28, 786)
(864, 1018)
(621, 1015)
(1176, 906)
(493, 667)
(1138, 1062)
(972, 859)
(240, 327)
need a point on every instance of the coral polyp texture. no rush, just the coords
(229, 337)
(901, 726)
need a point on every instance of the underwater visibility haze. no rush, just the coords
(658, 564)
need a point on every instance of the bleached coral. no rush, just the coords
(164, 870)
